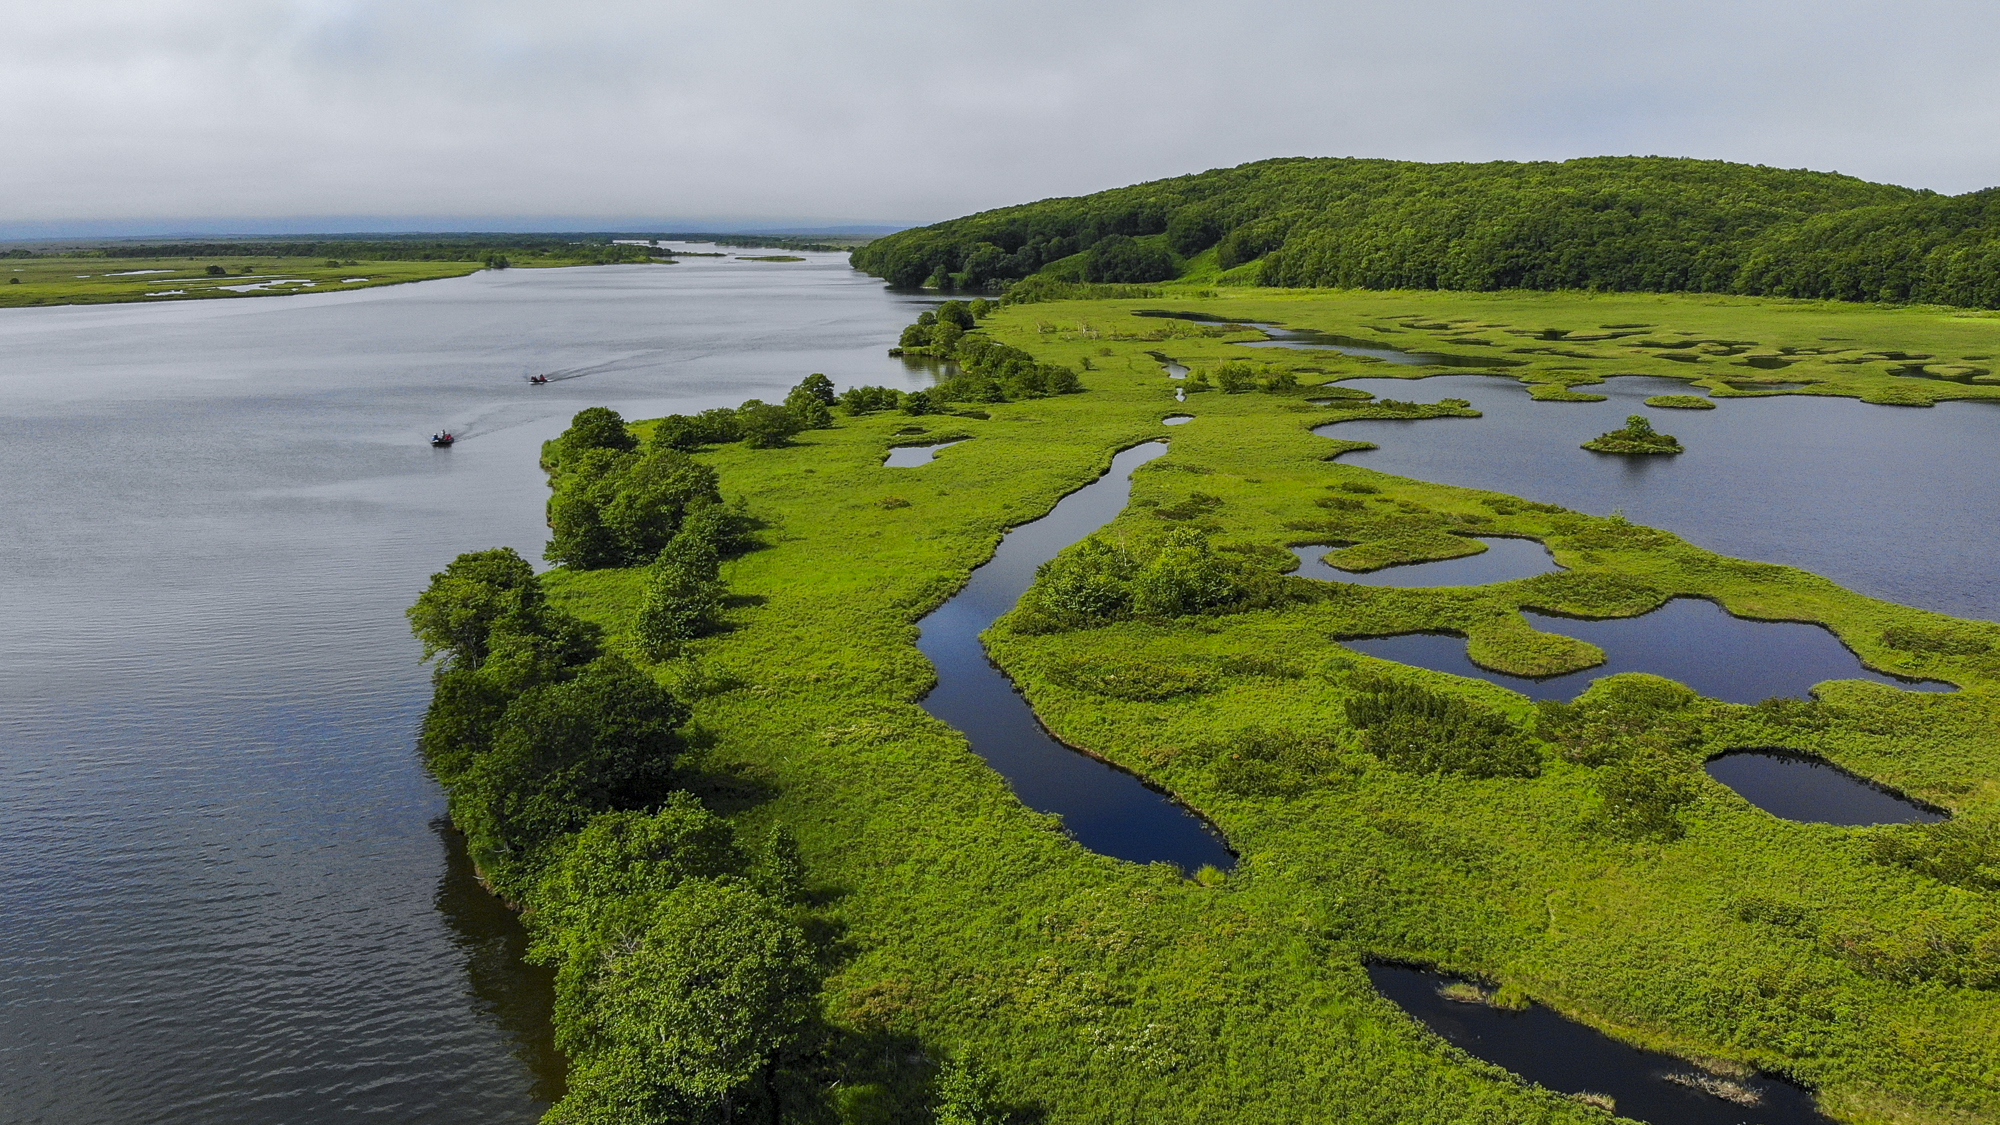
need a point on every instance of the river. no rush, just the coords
(226, 893)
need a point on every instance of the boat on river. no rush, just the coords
(440, 440)
(538, 380)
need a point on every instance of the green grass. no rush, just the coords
(1103, 991)
(82, 280)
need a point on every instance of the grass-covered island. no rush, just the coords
(1636, 436)
(772, 887)
(1681, 402)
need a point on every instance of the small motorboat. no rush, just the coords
(442, 439)
(538, 380)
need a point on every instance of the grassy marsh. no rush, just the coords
(1101, 991)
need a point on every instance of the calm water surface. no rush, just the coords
(1800, 787)
(1567, 1057)
(1106, 809)
(1503, 560)
(225, 891)
(1892, 501)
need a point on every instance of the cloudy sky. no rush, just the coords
(332, 114)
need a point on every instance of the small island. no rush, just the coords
(1682, 402)
(1638, 436)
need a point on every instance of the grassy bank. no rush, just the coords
(964, 924)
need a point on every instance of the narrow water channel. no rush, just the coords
(1108, 810)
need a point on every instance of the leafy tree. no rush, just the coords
(1090, 583)
(679, 604)
(919, 402)
(958, 313)
(600, 741)
(618, 509)
(620, 866)
(765, 426)
(692, 431)
(820, 387)
(453, 616)
(864, 400)
(698, 1003)
(595, 427)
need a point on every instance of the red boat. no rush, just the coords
(538, 379)
(442, 439)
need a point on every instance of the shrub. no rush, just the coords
(1417, 730)
(765, 426)
(1961, 852)
(1183, 577)
(1942, 640)
(1260, 762)
(1621, 716)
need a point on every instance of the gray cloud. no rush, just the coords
(763, 109)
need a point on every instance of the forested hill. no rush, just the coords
(1614, 223)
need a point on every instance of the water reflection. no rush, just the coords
(1570, 1058)
(1801, 787)
(519, 998)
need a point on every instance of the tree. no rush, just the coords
(603, 740)
(680, 603)
(699, 1002)
(818, 386)
(810, 410)
(595, 427)
(455, 613)
(919, 402)
(650, 499)
(621, 865)
(1121, 258)
(956, 312)
(765, 426)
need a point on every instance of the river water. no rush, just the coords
(225, 891)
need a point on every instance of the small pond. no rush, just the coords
(1503, 560)
(1570, 1058)
(1176, 419)
(1690, 640)
(910, 456)
(1108, 810)
(1798, 786)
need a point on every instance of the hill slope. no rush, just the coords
(1615, 223)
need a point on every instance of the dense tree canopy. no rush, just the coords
(1613, 223)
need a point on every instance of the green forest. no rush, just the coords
(1616, 224)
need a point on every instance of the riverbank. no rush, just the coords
(1099, 990)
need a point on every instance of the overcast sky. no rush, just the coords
(274, 113)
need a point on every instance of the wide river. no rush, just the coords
(226, 894)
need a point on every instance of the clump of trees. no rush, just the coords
(1417, 730)
(1637, 437)
(988, 371)
(613, 504)
(1175, 574)
(1239, 377)
(756, 423)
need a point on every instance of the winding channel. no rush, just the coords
(1106, 809)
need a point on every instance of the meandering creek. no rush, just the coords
(1106, 809)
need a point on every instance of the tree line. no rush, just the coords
(687, 977)
(1608, 223)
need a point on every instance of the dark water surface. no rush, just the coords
(1569, 1058)
(1896, 502)
(1694, 641)
(224, 895)
(1503, 560)
(1800, 787)
(1106, 809)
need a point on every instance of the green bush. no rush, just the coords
(1417, 730)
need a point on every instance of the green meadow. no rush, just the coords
(95, 281)
(1595, 868)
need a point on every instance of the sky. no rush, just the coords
(123, 117)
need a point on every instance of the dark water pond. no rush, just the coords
(1106, 809)
(1801, 787)
(1694, 641)
(911, 456)
(1503, 560)
(224, 896)
(1569, 1058)
(1891, 501)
